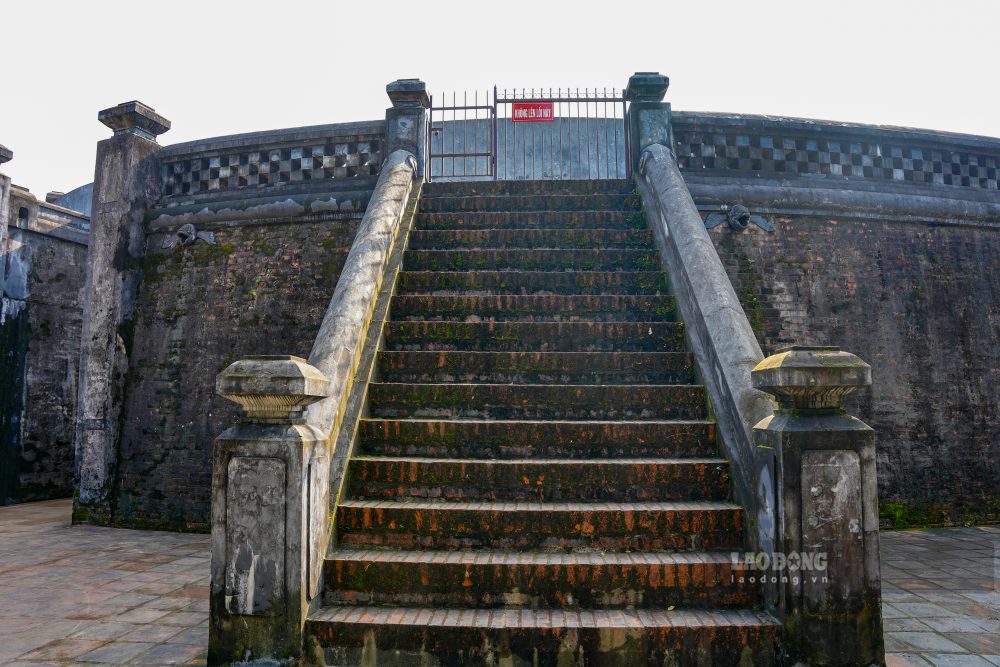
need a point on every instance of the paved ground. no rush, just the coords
(941, 597)
(91, 596)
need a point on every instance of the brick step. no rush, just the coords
(527, 187)
(615, 526)
(536, 336)
(533, 259)
(536, 579)
(418, 636)
(541, 439)
(536, 401)
(541, 480)
(535, 308)
(442, 239)
(533, 282)
(536, 367)
(530, 220)
(529, 202)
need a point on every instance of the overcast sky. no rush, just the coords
(216, 68)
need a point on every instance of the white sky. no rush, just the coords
(217, 68)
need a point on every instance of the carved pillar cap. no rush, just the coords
(272, 389)
(805, 377)
(408, 93)
(134, 118)
(6, 154)
(647, 87)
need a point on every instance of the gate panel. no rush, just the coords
(529, 134)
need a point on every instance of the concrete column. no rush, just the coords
(126, 180)
(648, 114)
(265, 472)
(406, 120)
(829, 584)
(6, 155)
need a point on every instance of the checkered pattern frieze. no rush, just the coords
(267, 167)
(802, 155)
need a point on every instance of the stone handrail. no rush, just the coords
(717, 330)
(338, 343)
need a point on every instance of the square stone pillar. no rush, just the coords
(126, 181)
(826, 561)
(406, 120)
(648, 114)
(267, 474)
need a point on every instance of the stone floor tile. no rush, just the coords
(977, 642)
(151, 633)
(922, 609)
(956, 624)
(105, 631)
(169, 654)
(117, 652)
(904, 625)
(905, 660)
(927, 641)
(141, 616)
(957, 660)
(62, 649)
(195, 636)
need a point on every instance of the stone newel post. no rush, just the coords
(126, 180)
(828, 507)
(406, 120)
(648, 114)
(264, 475)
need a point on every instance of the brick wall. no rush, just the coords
(263, 289)
(921, 304)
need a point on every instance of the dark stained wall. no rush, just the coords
(262, 289)
(921, 304)
(44, 260)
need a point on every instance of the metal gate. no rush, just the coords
(528, 134)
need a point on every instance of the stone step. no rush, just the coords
(541, 439)
(530, 202)
(536, 401)
(613, 526)
(535, 308)
(419, 636)
(536, 367)
(530, 220)
(443, 239)
(542, 480)
(532, 282)
(536, 336)
(527, 187)
(536, 579)
(532, 259)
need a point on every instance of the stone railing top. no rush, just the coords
(272, 389)
(271, 138)
(6, 154)
(811, 377)
(134, 118)
(408, 93)
(723, 121)
(647, 87)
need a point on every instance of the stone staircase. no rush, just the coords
(536, 481)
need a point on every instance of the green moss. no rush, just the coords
(903, 515)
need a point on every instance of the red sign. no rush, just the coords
(532, 112)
